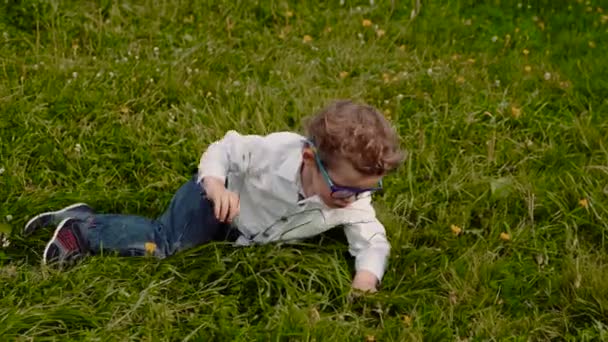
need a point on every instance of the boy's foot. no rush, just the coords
(52, 217)
(67, 244)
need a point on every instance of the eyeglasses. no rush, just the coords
(340, 192)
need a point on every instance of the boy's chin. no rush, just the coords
(336, 205)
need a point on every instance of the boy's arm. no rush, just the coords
(368, 244)
(231, 153)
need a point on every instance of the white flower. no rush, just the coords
(35, 66)
(360, 35)
(5, 35)
(429, 71)
(400, 97)
(136, 57)
(196, 70)
(94, 58)
(125, 59)
(74, 74)
(547, 76)
(151, 80)
(494, 39)
(156, 50)
(236, 83)
(329, 59)
(497, 83)
(385, 101)
(9, 218)
(78, 148)
(111, 74)
(98, 74)
(519, 5)
(4, 241)
(188, 70)
(157, 70)
(2, 170)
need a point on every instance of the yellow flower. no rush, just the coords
(592, 44)
(366, 23)
(583, 202)
(505, 236)
(526, 52)
(370, 338)
(402, 47)
(289, 14)
(528, 68)
(343, 74)
(150, 247)
(460, 79)
(541, 25)
(455, 229)
(189, 19)
(387, 113)
(407, 320)
(380, 33)
(515, 112)
(328, 29)
(386, 77)
(307, 39)
(471, 60)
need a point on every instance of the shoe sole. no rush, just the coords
(48, 245)
(27, 229)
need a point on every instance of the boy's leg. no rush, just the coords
(127, 235)
(190, 219)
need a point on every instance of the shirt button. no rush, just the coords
(284, 219)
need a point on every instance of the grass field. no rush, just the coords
(498, 220)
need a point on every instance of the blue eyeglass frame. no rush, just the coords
(340, 192)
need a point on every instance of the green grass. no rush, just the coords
(112, 103)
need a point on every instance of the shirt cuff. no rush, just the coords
(373, 260)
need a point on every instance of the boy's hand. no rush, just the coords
(365, 281)
(226, 203)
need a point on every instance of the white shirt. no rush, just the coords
(265, 172)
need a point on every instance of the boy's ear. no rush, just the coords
(308, 155)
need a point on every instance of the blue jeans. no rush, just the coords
(189, 221)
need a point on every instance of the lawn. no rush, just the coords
(498, 219)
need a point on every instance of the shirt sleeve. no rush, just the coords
(369, 245)
(230, 154)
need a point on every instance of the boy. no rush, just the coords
(259, 189)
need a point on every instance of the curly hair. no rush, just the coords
(357, 133)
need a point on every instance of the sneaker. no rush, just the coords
(78, 210)
(67, 244)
